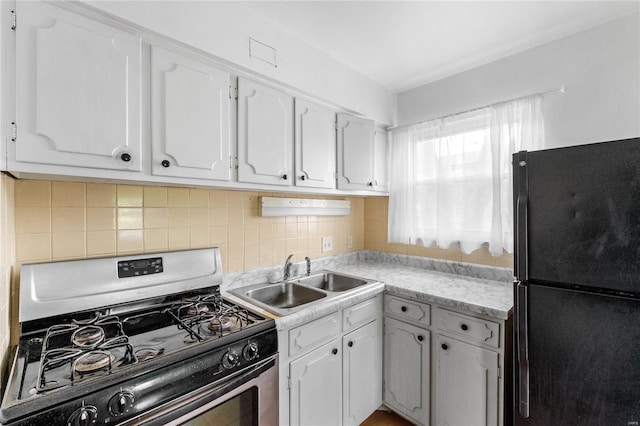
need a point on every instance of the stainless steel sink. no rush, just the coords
(331, 281)
(285, 295)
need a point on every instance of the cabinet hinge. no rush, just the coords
(14, 20)
(14, 131)
(288, 382)
(233, 93)
(233, 162)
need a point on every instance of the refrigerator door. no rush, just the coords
(582, 216)
(583, 358)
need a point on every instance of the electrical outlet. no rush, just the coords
(349, 241)
(327, 244)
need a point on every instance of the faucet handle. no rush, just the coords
(308, 260)
(288, 258)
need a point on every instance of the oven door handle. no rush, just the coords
(165, 413)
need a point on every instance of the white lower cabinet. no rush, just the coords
(466, 383)
(316, 387)
(333, 378)
(407, 364)
(459, 376)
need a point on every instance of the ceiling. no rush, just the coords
(404, 44)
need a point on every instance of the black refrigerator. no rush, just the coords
(577, 287)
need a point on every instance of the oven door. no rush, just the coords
(248, 397)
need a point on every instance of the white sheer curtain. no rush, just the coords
(450, 178)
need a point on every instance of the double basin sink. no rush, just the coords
(290, 296)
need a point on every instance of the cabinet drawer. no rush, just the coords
(473, 329)
(313, 334)
(361, 313)
(408, 309)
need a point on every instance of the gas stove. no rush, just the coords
(106, 341)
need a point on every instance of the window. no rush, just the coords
(451, 177)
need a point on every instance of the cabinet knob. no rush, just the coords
(350, 344)
(370, 184)
(420, 338)
(165, 163)
(403, 309)
(285, 177)
(125, 157)
(464, 327)
(302, 177)
(444, 346)
(334, 351)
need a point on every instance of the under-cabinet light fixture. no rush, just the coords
(270, 206)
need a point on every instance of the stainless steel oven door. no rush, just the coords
(248, 397)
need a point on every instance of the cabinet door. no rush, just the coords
(407, 369)
(316, 382)
(78, 90)
(362, 373)
(190, 118)
(466, 384)
(315, 145)
(265, 132)
(381, 161)
(355, 153)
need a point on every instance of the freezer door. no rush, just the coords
(583, 216)
(583, 359)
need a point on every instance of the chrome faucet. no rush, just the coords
(287, 268)
(308, 260)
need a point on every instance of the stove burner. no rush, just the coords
(93, 361)
(220, 324)
(148, 353)
(197, 308)
(88, 336)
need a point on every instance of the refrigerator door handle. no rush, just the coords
(523, 349)
(521, 189)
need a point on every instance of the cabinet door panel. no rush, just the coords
(264, 134)
(362, 373)
(466, 383)
(407, 369)
(190, 113)
(316, 383)
(355, 153)
(315, 145)
(78, 85)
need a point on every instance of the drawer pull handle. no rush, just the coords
(125, 157)
(464, 327)
(166, 163)
(285, 177)
(334, 351)
(420, 338)
(444, 346)
(403, 309)
(350, 344)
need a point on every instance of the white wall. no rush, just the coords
(223, 29)
(600, 68)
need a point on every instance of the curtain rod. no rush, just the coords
(562, 89)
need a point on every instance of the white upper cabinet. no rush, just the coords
(381, 161)
(355, 153)
(190, 108)
(78, 90)
(315, 145)
(265, 133)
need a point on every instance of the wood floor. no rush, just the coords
(385, 418)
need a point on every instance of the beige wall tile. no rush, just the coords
(68, 245)
(66, 219)
(218, 235)
(129, 196)
(156, 217)
(130, 241)
(178, 238)
(217, 198)
(178, 197)
(199, 237)
(236, 234)
(32, 220)
(67, 194)
(198, 217)
(154, 196)
(266, 232)
(279, 231)
(235, 215)
(33, 247)
(291, 230)
(251, 263)
(236, 251)
(235, 265)
(156, 240)
(32, 193)
(198, 197)
(101, 195)
(252, 249)
(178, 217)
(235, 199)
(218, 216)
(251, 232)
(101, 243)
(129, 218)
(101, 218)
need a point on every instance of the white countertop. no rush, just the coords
(476, 295)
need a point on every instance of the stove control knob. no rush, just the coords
(83, 416)
(250, 351)
(230, 359)
(121, 403)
